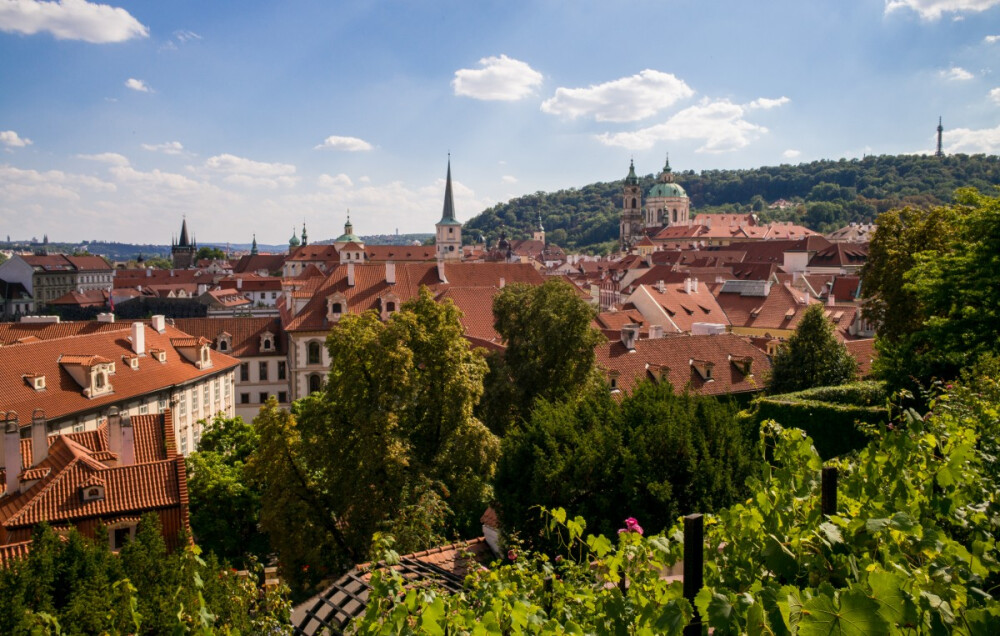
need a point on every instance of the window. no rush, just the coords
(162, 404)
(194, 400)
(223, 345)
(184, 444)
(335, 308)
(120, 536)
(245, 372)
(262, 371)
(244, 398)
(282, 397)
(315, 383)
(143, 409)
(675, 215)
(182, 404)
(216, 385)
(263, 397)
(314, 352)
(204, 394)
(634, 206)
(281, 370)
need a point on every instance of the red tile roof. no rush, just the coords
(12, 332)
(245, 333)
(269, 263)
(62, 262)
(476, 304)
(672, 356)
(400, 253)
(684, 308)
(88, 298)
(62, 395)
(864, 352)
(841, 255)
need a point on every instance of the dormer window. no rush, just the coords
(613, 380)
(159, 355)
(659, 372)
(35, 381)
(132, 362)
(206, 356)
(225, 341)
(390, 304)
(743, 363)
(335, 307)
(92, 491)
(267, 341)
(704, 369)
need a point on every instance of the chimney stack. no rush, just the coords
(115, 432)
(830, 300)
(139, 338)
(350, 274)
(441, 275)
(661, 286)
(127, 456)
(655, 332)
(12, 452)
(106, 317)
(390, 273)
(687, 285)
(158, 322)
(694, 285)
(39, 437)
(239, 283)
(503, 282)
(630, 333)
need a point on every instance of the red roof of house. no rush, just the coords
(400, 253)
(89, 298)
(840, 255)
(684, 308)
(253, 263)
(62, 262)
(673, 356)
(245, 333)
(864, 352)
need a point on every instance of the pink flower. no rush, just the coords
(631, 525)
(511, 555)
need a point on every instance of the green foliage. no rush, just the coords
(812, 356)
(655, 455)
(225, 502)
(829, 194)
(77, 586)
(550, 350)
(211, 253)
(839, 419)
(158, 262)
(912, 547)
(390, 444)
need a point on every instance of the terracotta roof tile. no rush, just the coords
(245, 333)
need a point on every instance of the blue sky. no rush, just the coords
(117, 119)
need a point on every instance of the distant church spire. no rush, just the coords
(448, 214)
(184, 241)
(253, 246)
(305, 237)
(940, 129)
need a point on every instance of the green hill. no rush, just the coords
(828, 194)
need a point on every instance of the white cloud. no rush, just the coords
(11, 139)
(626, 99)
(720, 125)
(186, 36)
(508, 179)
(350, 144)
(791, 154)
(957, 74)
(19, 185)
(991, 39)
(71, 20)
(168, 148)
(112, 158)
(500, 78)
(138, 85)
(339, 181)
(765, 103)
(984, 140)
(934, 9)
(247, 172)
(995, 95)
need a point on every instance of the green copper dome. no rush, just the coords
(348, 236)
(294, 241)
(666, 190)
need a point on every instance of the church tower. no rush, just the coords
(449, 230)
(667, 203)
(940, 129)
(182, 251)
(539, 234)
(630, 230)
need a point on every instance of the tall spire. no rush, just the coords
(253, 246)
(448, 214)
(631, 179)
(305, 237)
(184, 241)
(348, 228)
(940, 130)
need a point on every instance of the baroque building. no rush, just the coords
(666, 204)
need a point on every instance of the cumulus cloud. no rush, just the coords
(765, 103)
(350, 144)
(791, 154)
(11, 139)
(984, 140)
(138, 85)
(994, 95)
(934, 9)
(500, 78)
(112, 158)
(957, 74)
(508, 178)
(339, 181)
(720, 125)
(71, 20)
(168, 148)
(247, 172)
(991, 39)
(19, 185)
(626, 99)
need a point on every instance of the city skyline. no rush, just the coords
(118, 119)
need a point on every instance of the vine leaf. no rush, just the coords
(858, 615)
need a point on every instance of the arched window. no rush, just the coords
(99, 381)
(634, 203)
(390, 306)
(675, 215)
(315, 382)
(336, 308)
(314, 354)
(223, 345)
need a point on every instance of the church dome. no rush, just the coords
(666, 190)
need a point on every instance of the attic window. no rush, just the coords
(658, 371)
(37, 382)
(93, 492)
(837, 316)
(743, 363)
(206, 356)
(133, 362)
(613, 380)
(159, 355)
(267, 341)
(790, 314)
(704, 369)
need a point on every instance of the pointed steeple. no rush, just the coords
(631, 179)
(541, 228)
(940, 130)
(253, 246)
(448, 214)
(305, 237)
(184, 241)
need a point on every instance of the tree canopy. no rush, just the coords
(390, 443)
(211, 253)
(812, 356)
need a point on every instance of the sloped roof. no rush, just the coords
(250, 263)
(245, 332)
(781, 309)
(675, 353)
(864, 352)
(686, 309)
(840, 255)
(88, 298)
(476, 304)
(400, 253)
(846, 288)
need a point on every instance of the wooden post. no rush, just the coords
(829, 490)
(694, 565)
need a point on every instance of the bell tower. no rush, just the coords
(630, 230)
(449, 231)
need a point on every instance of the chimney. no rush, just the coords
(441, 275)
(390, 273)
(138, 288)
(127, 456)
(239, 283)
(694, 285)
(503, 282)
(115, 431)
(202, 288)
(139, 338)
(661, 286)
(106, 317)
(655, 332)
(350, 274)
(630, 333)
(39, 437)
(12, 452)
(830, 300)
(149, 272)
(687, 285)
(158, 323)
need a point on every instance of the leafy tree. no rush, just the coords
(812, 356)
(211, 253)
(158, 262)
(549, 354)
(225, 502)
(655, 455)
(389, 444)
